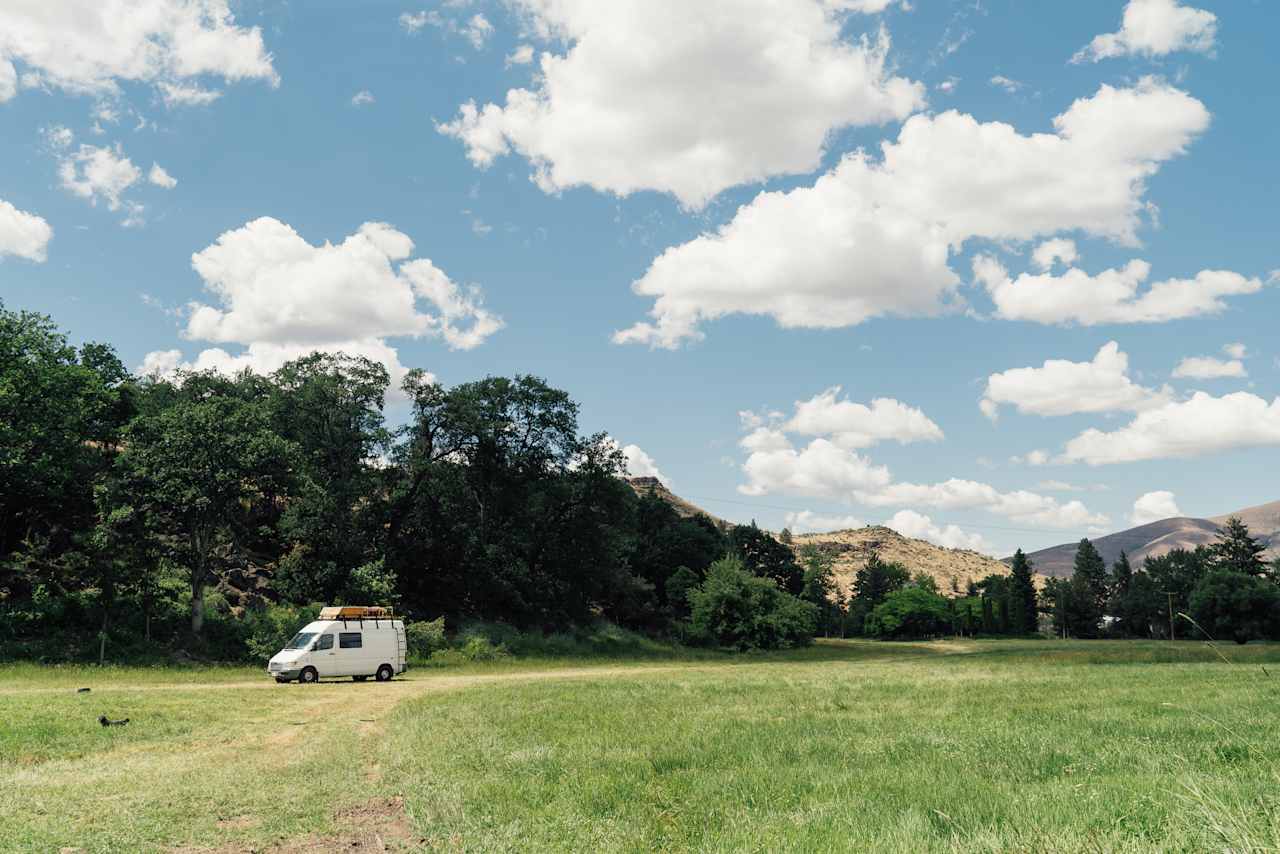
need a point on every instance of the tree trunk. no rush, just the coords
(102, 638)
(197, 603)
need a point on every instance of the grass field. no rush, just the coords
(946, 746)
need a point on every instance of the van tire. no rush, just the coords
(385, 673)
(359, 678)
(308, 675)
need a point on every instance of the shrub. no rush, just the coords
(734, 608)
(912, 612)
(426, 637)
(267, 630)
(475, 648)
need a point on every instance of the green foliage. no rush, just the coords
(871, 584)
(766, 557)
(1229, 604)
(268, 629)
(371, 584)
(912, 612)
(734, 608)
(425, 637)
(820, 589)
(1237, 551)
(1023, 611)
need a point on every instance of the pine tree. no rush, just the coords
(1121, 581)
(1237, 551)
(988, 619)
(1022, 593)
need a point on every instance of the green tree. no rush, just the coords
(764, 556)
(912, 612)
(1175, 574)
(1231, 604)
(820, 587)
(1088, 593)
(1237, 551)
(330, 406)
(871, 584)
(735, 608)
(1022, 595)
(198, 467)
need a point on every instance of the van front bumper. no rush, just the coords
(287, 673)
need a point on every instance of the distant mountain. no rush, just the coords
(1158, 538)
(653, 486)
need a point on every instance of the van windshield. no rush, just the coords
(300, 640)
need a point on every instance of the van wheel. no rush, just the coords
(385, 673)
(308, 675)
(359, 678)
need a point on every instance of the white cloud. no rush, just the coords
(807, 520)
(364, 96)
(855, 425)
(95, 173)
(8, 80)
(1235, 350)
(477, 30)
(874, 238)
(187, 95)
(1051, 251)
(1109, 297)
(685, 98)
(91, 46)
(161, 178)
(412, 22)
(1209, 368)
(640, 464)
(1154, 28)
(829, 466)
(956, 494)
(1204, 424)
(522, 55)
(1154, 506)
(1006, 83)
(1062, 387)
(949, 85)
(281, 297)
(22, 234)
(912, 524)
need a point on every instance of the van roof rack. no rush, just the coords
(355, 612)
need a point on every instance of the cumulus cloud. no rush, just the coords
(91, 46)
(830, 465)
(1008, 84)
(1154, 506)
(1062, 387)
(912, 524)
(1111, 296)
(23, 234)
(874, 238)
(98, 174)
(957, 494)
(359, 99)
(640, 464)
(856, 425)
(1154, 28)
(161, 178)
(186, 95)
(807, 520)
(522, 55)
(281, 297)
(1052, 251)
(1209, 368)
(685, 98)
(1201, 425)
(477, 29)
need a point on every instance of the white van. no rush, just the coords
(351, 641)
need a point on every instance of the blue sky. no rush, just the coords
(653, 130)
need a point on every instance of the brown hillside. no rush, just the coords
(952, 569)
(653, 486)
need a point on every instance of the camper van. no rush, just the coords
(355, 641)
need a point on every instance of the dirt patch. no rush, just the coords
(239, 822)
(378, 826)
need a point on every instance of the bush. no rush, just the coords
(1231, 605)
(267, 630)
(426, 637)
(734, 608)
(475, 648)
(912, 612)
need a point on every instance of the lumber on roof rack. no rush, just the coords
(355, 612)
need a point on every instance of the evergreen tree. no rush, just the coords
(1088, 591)
(988, 619)
(1121, 583)
(1022, 595)
(1237, 551)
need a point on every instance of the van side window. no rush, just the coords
(325, 642)
(350, 640)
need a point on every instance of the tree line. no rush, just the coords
(140, 514)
